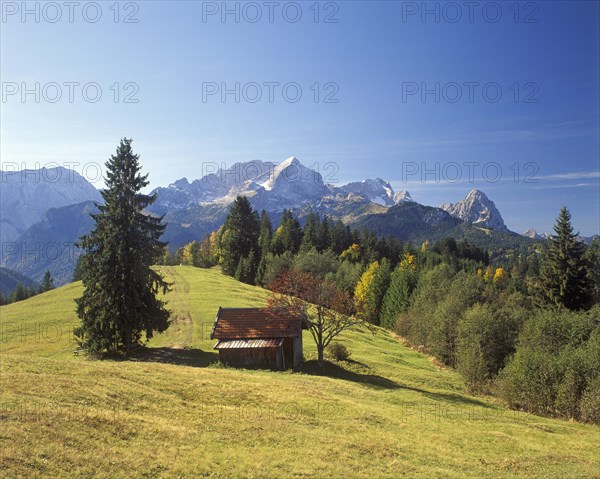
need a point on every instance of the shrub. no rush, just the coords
(590, 402)
(555, 368)
(339, 352)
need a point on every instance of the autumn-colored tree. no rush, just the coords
(499, 276)
(191, 254)
(425, 246)
(488, 276)
(409, 261)
(370, 290)
(353, 253)
(325, 309)
(363, 289)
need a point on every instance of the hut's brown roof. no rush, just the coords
(254, 323)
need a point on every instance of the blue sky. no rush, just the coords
(518, 94)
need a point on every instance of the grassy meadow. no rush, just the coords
(173, 412)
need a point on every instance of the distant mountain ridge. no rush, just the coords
(194, 209)
(532, 233)
(26, 195)
(50, 244)
(270, 186)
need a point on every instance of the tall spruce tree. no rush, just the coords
(324, 232)
(564, 272)
(397, 297)
(240, 236)
(119, 301)
(310, 238)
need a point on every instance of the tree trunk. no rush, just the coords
(320, 360)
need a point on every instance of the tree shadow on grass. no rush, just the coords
(335, 370)
(184, 357)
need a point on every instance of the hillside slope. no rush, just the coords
(388, 412)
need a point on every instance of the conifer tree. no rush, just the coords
(264, 245)
(246, 269)
(324, 234)
(20, 293)
(563, 272)
(240, 235)
(47, 282)
(341, 237)
(310, 237)
(119, 301)
(288, 237)
(397, 297)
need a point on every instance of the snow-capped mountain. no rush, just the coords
(294, 184)
(377, 191)
(211, 187)
(272, 187)
(28, 194)
(478, 210)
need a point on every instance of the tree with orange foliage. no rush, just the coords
(325, 309)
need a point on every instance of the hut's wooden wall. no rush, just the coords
(252, 357)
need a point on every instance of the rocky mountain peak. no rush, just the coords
(476, 208)
(402, 196)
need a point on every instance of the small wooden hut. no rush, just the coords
(257, 338)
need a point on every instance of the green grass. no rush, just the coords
(387, 412)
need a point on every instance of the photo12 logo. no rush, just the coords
(469, 172)
(292, 173)
(469, 92)
(69, 12)
(51, 172)
(470, 12)
(270, 12)
(69, 92)
(269, 92)
(37, 252)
